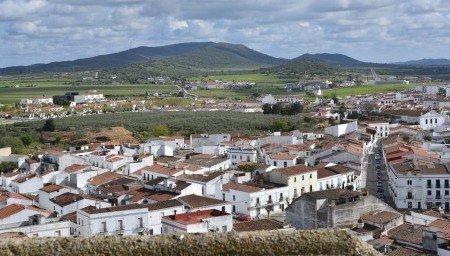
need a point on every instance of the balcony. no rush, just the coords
(439, 197)
(429, 186)
(446, 186)
(429, 197)
(409, 197)
(447, 197)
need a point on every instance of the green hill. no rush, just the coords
(302, 68)
(332, 59)
(215, 58)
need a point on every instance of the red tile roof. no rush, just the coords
(195, 217)
(282, 156)
(12, 209)
(103, 178)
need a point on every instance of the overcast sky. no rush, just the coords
(41, 31)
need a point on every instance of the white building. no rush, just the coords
(241, 154)
(8, 198)
(40, 226)
(418, 184)
(68, 202)
(120, 220)
(281, 159)
(50, 191)
(252, 199)
(430, 120)
(16, 213)
(29, 183)
(36, 101)
(341, 129)
(381, 128)
(299, 179)
(198, 222)
(330, 176)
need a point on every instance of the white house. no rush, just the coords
(419, 184)
(198, 222)
(50, 191)
(241, 154)
(330, 176)
(252, 199)
(29, 183)
(299, 179)
(281, 159)
(381, 128)
(68, 202)
(430, 120)
(8, 198)
(41, 226)
(17, 213)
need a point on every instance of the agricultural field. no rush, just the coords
(11, 93)
(366, 89)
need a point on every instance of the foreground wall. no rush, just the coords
(254, 243)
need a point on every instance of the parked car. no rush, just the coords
(379, 183)
(377, 157)
(243, 217)
(380, 190)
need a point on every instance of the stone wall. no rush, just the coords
(253, 243)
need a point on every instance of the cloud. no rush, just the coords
(381, 31)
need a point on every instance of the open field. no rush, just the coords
(12, 95)
(240, 77)
(366, 89)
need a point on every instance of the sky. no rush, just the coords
(42, 31)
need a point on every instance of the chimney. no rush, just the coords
(360, 223)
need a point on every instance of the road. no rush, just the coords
(371, 177)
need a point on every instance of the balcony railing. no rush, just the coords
(429, 197)
(438, 197)
(447, 197)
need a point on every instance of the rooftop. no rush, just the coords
(195, 217)
(420, 167)
(12, 209)
(407, 233)
(381, 216)
(75, 167)
(293, 170)
(244, 187)
(104, 178)
(195, 201)
(282, 156)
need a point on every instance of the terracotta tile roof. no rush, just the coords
(12, 209)
(162, 169)
(69, 198)
(73, 215)
(195, 217)
(257, 225)
(52, 188)
(75, 168)
(194, 201)
(244, 187)
(202, 177)
(384, 240)
(115, 208)
(115, 159)
(11, 174)
(4, 195)
(420, 167)
(294, 170)
(143, 193)
(103, 178)
(282, 156)
(402, 251)
(383, 216)
(440, 224)
(407, 233)
(25, 178)
(433, 213)
(12, 235)
(164, 204)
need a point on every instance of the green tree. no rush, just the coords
(8, 166)
(248, 167)
(269, 207)
(49, 125)
(280, 125)
(267, 108)
(160, 130)
(26, 140)
(14, 142)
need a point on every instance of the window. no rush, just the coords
(223, 196)
(257, 200)
(409, 204)
(274, 163)
(103, 227)
(303, 177)
(295, 179)
(410, 196)
(270, 197)
(435, 120)
(224, 228)
(428, 183)
(310, 175)
(234, 197)
(426, 121)
(234, 208)
(248, 158)
(446, 192)
(151, 231)
(223, 209)
(429, 192)
(409, 182)
(281, 197)
(140, 223)
(310, 188)
(438, 184)
(285, 164)
(446, 184)
(57, 233)
(120, 225)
